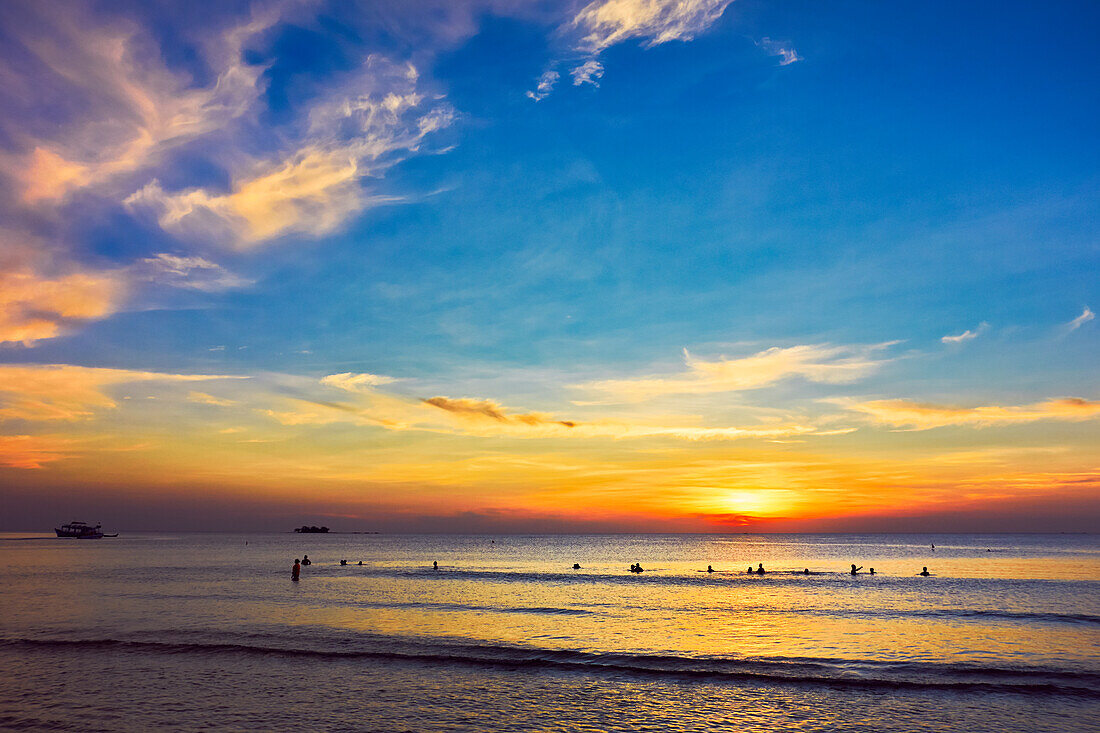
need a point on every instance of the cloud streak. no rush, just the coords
(922, 416)
(816, 363)
(487, 409)
(966, 335)
(66, 392)
(32, 451)
(1086, 316)
(783, 49)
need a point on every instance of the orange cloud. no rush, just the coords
(488, 409)
(919, 416)
(67, 392)
(34, 308)
(31, 451)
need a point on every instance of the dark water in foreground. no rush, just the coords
(190, 632)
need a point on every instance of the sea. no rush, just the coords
(178, 631)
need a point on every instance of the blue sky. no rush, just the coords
(285, 192)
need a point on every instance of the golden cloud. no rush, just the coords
(607, 22)
(34, 308)
(68, 392)
(31, 451)
(922, 416)
(370, 124)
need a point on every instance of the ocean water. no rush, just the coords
(207, 631)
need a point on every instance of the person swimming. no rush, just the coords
(435, 565)
(871, 571)
(360, 562)
(760, 569)
(296, 570)
(636, 568)
(710, 569)
(806, 571)
(343, 562)
(855, 569)
(924, 572)
(749, 570)
(576, 566)
(306, 560)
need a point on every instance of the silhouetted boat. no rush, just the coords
(82, 530)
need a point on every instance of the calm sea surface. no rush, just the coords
(200, 631)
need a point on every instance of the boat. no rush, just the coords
(82, 530)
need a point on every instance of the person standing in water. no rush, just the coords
(296, 570)
(760, 569)
(306, 560)
(924, 572)
(855, 569)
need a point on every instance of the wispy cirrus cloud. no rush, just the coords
(69, 392)
(373, 120)
(821, 363)
(603, 23)
(188, 272)
(587, 73)
(911, 415)
(203, 398)
(783, 49)
(353, 382)
(1086, 316)
(966, 335)
(133, 107)
(545, 85)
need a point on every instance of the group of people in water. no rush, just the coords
(296, 571)
(759, 570)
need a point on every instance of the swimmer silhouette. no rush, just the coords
(760, 569)
(435, 565)
(343, 562)
(576, 566)
(855, 569)
(924, 572)
(306, 560)
(360, 562)
(806, 571)
(710, 569)
(872, 571)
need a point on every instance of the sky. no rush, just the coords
(494, 266)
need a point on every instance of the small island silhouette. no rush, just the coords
(304, 529)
